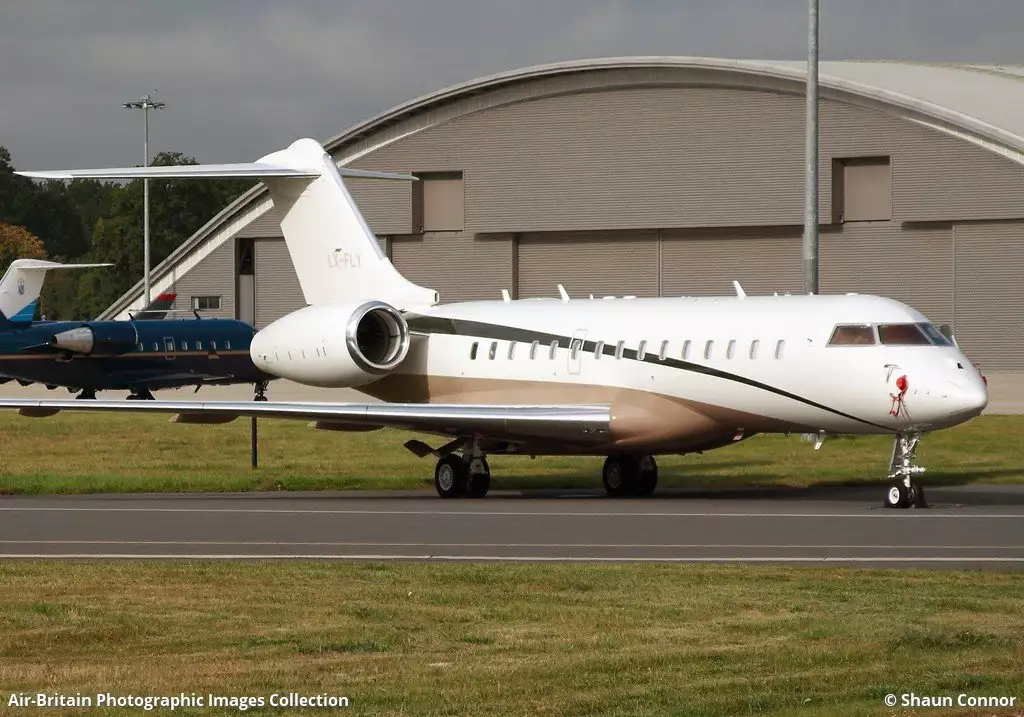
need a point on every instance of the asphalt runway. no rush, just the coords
(970, 526)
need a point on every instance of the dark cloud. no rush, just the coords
(242, 77)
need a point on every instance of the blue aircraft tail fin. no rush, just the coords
(21, 285)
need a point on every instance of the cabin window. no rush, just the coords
(780, 346)
(902, 335)
(472, 350)
(641, 351)
(730, 350)
(619, 348)
(708, 348)
(599, 349)
(553, 349)
(511, 350)
(533, 349)
(663, 354)
(184, 345)
(861, 335)
(686, 349)
(494, 350)
(199, 345)
(213, 346)
(156, 346)
(206, 303)
(754, 345)
(227, 346)
(575, 351)
(139, 347)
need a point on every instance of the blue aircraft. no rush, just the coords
(139, 355)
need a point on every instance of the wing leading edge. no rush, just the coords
(571, 423)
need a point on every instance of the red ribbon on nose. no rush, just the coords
(897, 398)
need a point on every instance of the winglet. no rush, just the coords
(739, 289)
(563, 293)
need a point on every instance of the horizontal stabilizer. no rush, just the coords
(253, 170)
(41, 265)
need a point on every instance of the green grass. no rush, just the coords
(72, 453)
(485, 639)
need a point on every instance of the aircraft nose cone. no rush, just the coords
(967, 400)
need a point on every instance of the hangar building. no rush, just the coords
(672, 176)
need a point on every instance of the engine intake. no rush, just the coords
(377, 337)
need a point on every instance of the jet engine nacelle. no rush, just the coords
(105, 337)
(333, 345)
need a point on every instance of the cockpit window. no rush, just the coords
(902, 335)
(938, 338)
(853, 336)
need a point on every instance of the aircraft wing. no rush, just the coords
(568, 423)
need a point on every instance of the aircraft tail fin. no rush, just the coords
(336, 256)
(23, 282)
(157, 308)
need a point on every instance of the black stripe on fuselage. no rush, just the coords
(464, 327)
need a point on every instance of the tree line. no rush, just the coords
(90, 221)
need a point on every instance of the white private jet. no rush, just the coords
(624, 378)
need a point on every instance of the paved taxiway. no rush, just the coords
(975, 526)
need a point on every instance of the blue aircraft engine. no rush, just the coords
(108, 337)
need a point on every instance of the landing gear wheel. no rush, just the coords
(619, 475)
(647, 477)
(86, 394)
(897, 496)
(451, 476)
(479, 483)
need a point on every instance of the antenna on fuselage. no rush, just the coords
(505, 296)
(739, 289)
(563, 293)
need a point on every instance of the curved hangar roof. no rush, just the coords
(981, 104)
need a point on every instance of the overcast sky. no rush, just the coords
(244, 77)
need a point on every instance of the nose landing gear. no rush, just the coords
(905, 491)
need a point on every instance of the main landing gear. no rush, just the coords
(456, 476)
(905, 490)
(630, 475)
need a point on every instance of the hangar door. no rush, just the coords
(989, 293)
(460, 267)
(705, 262)
(914, 266)
(599, 263)
(277, 287)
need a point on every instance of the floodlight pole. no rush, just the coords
(811, 156)
(145, 104)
